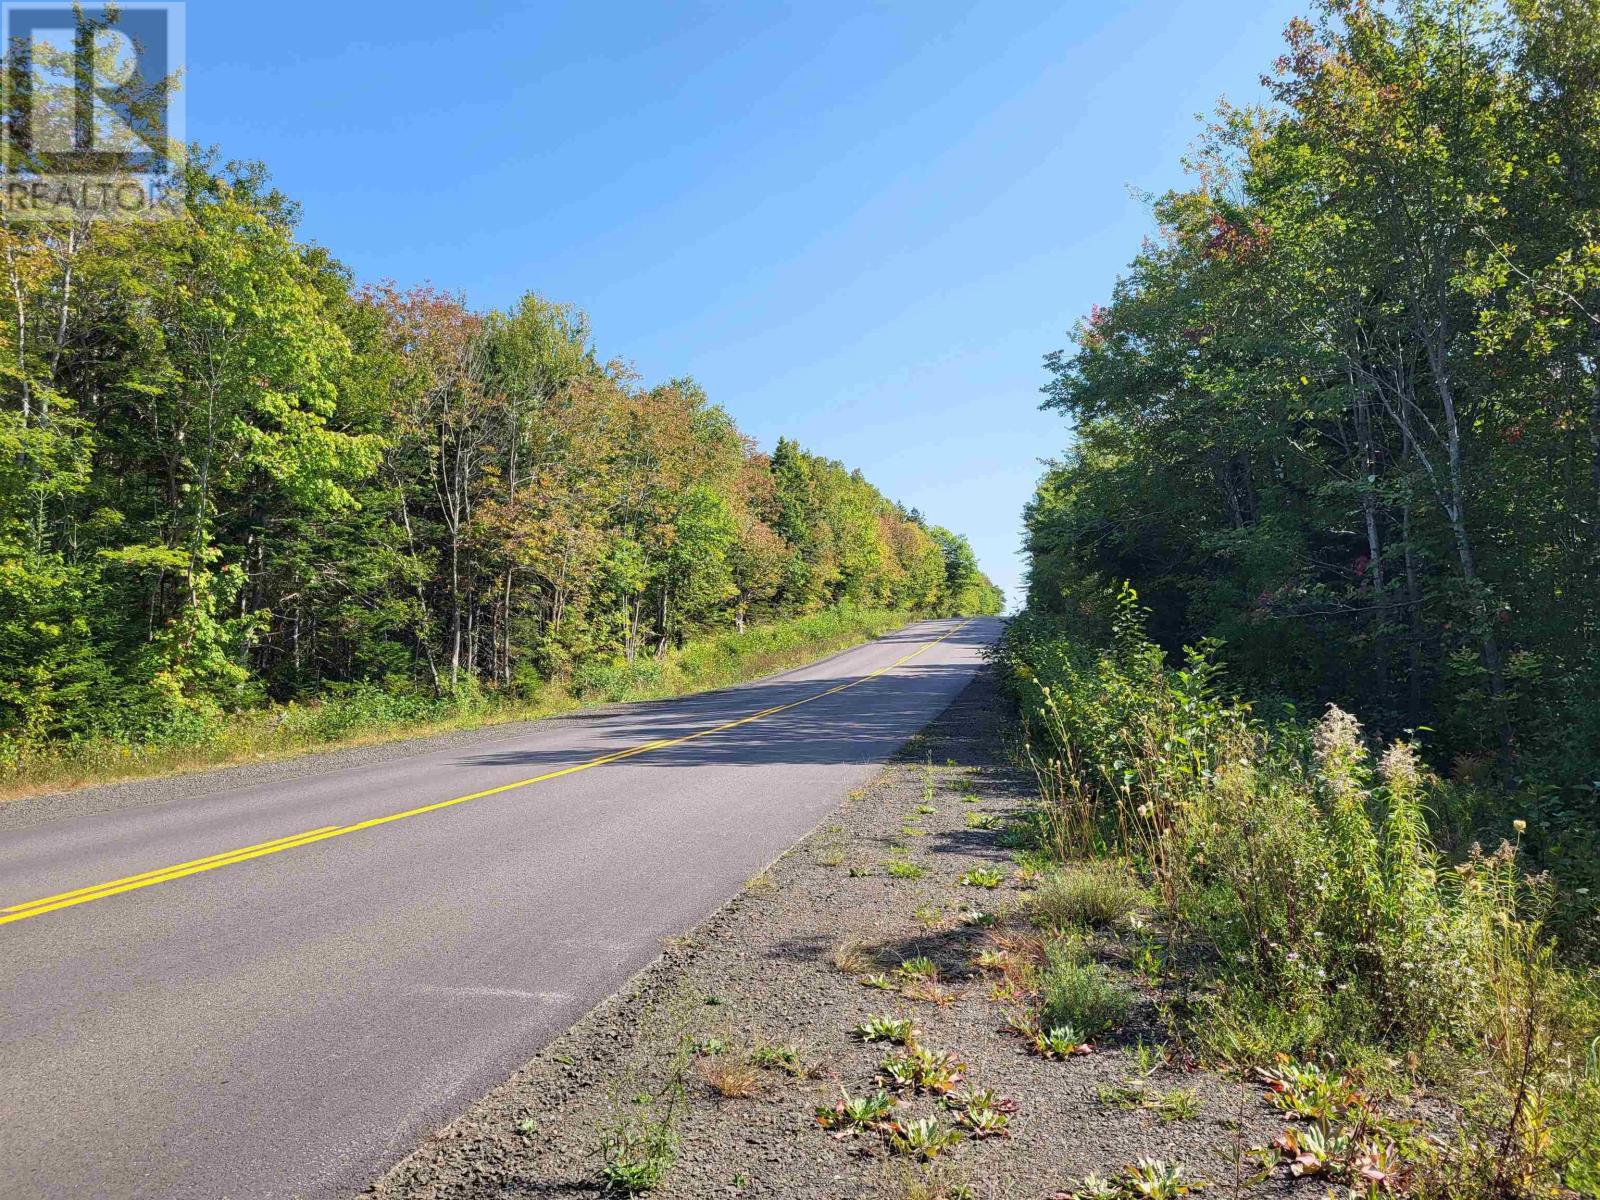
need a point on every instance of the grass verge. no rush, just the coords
(363, 716)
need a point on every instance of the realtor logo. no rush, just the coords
(93, 117)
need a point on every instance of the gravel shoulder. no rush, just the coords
(775, 977)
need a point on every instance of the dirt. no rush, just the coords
(760, 972)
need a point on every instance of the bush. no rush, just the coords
(1087, 894)
(1302, 869)
(1078, 993)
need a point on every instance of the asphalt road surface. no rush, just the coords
(245, 989)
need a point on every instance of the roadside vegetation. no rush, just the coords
(1321, 942)
(1339, 426)
(368, 714)
(233, 477)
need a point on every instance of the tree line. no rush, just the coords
(229, 474)
(1342, 412)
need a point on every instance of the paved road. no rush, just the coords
(292, 1022)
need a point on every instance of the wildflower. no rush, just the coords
(1520, 825)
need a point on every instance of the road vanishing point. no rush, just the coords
(273, 981)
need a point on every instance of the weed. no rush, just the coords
(922, 1070)
(1125, 1096)
(851, 956)
(982, 820)
(926, 809)
(1080, 994)
(786, 1058)
(636, 1154)
(832, 857)
(900, 868)
(924, 1138)
(1180, 1104)
(928, 916)
(857, 872)
(879, 981)
(901, 1031)
(711, 1046)
(983, 877)
(856, 1114)
(1085, 895)
(1148, 1058)
(929, 991)
(921, 967)
(731, 1078)
(904, 1181)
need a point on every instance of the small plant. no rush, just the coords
(832, 857)
(858, 872)
(856, 1114)
(1087, 894)
(900, 1031)
(983, 920)
(1059, 1042)
(921, 967)
(1081, 994)
(879, 981)
(636, 1154)
(926, 809)
(1126, 1096)
(786, 1058)
(900, 868)
(711, 1046)
(1153, 1179)
(928, 916)
(1180, 1104)
(981, 1112)
(983, 877)
(981, 820)
(922, 1070)
(1097, 1187)
(924, 1138)
(730, 1078)
(851, 956)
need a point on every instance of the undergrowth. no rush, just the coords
(358, 714)
(1297, 866)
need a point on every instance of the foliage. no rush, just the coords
(230, 475)
(1300, 870)
(1343, 412)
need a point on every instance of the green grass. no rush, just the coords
(369, 715)
(1086, 894)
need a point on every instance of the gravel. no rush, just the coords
(760, 972)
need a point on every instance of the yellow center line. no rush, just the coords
(128, 883)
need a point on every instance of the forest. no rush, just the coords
(230, 474)
(1312, 649)
(1342, 412)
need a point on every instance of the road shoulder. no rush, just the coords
(764, 998)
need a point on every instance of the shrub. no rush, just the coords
(1079, 993)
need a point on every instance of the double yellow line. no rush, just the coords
(129, 883)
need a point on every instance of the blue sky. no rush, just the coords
(858, 224)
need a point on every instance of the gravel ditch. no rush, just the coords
(760, 972)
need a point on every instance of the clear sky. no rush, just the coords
(859, 224)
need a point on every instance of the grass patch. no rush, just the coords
(1087, 894)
